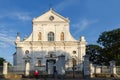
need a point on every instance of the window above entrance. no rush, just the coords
(50, 36)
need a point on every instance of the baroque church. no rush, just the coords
(50, 46)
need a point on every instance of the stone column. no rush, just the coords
(27, 68)
(5, 68)
(81, 52)
(112, 67)
(91, 70)
(61, 65)
(86, 67)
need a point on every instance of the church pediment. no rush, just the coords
(51, 16)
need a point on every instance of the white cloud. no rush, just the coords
(7, 35)
(7, 38)
(22, 16)
(65, 4)
(3, 45)
(82, 25)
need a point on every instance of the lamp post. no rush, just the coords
(74, 63)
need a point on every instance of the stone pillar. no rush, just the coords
(18, 37)
(27, 68)
(112, 67)
(61, 65)
(86, 67)
(81, 52)
(91, 70)
(5, 68)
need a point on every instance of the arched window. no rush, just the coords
(62, 36)
(39, 36)
(50, 36)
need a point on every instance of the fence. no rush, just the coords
(1, 70)
(69, 71)
(118, 69)
(101, 69)
(105, 69)
(16, 70)
(21, 69)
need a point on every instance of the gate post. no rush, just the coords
(61, 65)
(27, 68)
(5, 68)
(112, 67)
(91, 70)
(86, 67)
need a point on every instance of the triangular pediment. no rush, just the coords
(52, 16)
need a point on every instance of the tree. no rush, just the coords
(94, 51)
(1, 61)
(110, 40)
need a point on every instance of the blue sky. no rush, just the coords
(87, 17)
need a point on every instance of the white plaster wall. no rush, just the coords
(44, 25)
(98, 69)
(36, 51)
(19, 57)
(52, 27)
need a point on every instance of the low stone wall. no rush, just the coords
(75, 75)
(12, 76)
(102, 75)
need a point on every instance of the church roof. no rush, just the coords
(51, 15)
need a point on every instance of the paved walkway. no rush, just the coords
(60, 79)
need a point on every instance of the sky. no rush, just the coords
(88, 18)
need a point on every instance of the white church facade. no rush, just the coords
(50, 47)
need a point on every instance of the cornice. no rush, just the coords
(47, 43)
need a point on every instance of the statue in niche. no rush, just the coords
(39, 36)
(62, 36)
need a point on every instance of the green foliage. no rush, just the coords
(110, 40)
(1, 61)
(94, 51)
(9, 64)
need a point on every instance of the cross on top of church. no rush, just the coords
(50, 6)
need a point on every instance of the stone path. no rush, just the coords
(60, 79)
